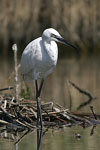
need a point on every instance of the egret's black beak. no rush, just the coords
(62, 40)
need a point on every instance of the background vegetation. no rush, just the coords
(23, 20)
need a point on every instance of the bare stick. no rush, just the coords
(14, 48)
(12, 74)
(91, 107)
(8, 88)
(87, 93)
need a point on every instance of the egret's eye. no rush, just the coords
(52, 35)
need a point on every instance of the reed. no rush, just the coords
(77, 20)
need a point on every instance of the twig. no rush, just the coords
(58, 118)
(91, 97)
(91, 107)
(12, 75)
(21, 123)
(14, 48)
(8, 88)
(4, 122)
(58, 105)
(52, 113)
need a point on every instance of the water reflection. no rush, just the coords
(16, 144)
(55, 139)
(39, 138)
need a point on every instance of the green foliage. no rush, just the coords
(25, 93)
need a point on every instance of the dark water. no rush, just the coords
(85, 74)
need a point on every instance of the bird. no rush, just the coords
(39, 59)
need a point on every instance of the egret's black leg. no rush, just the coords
(41, 85)
(36, 85)
(39, 92)
(39, 113)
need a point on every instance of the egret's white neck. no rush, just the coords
(51, 50)
(47, 43)
(46, 40)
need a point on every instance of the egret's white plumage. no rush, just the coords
(39, 59)
(40, 56)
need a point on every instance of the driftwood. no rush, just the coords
(7, 88)
(24, 115)
(21, 117)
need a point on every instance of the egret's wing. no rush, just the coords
(28, 59)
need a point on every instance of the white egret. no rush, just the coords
(39, 59)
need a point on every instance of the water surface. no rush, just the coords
(85, 74)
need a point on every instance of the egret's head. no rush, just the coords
(52, 35)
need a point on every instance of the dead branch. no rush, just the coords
(8, 88)
(23, 116)
(87, 93)
(14, 48)
(91, 107)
